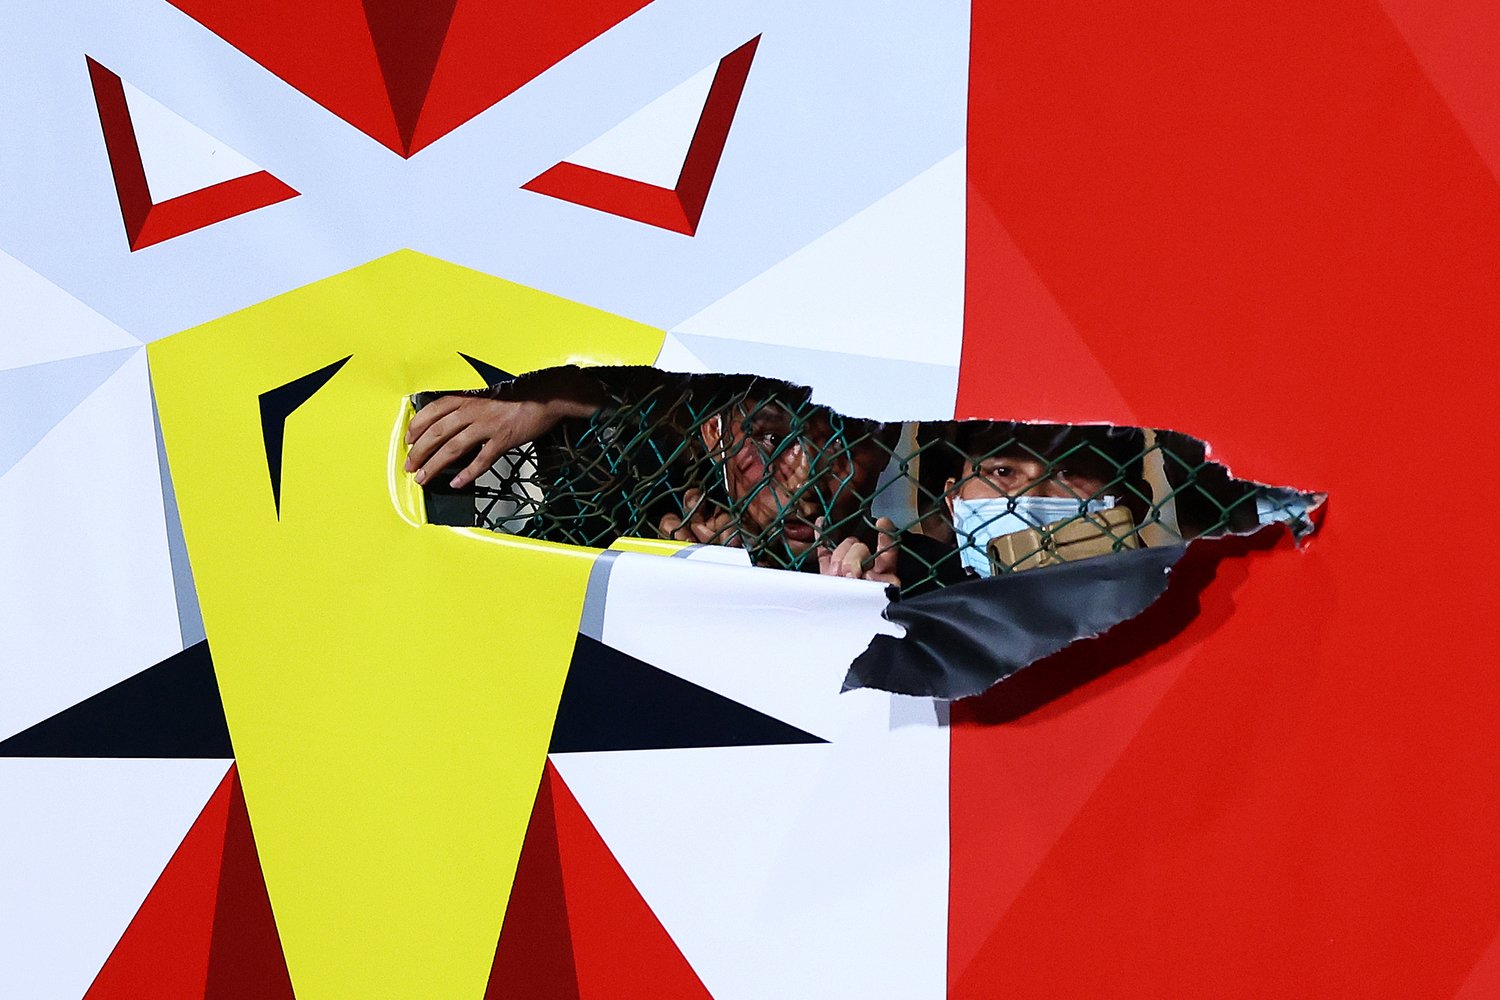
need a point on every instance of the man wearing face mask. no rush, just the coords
(1050, 493)
(1020, 482)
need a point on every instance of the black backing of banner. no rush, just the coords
(966, 638)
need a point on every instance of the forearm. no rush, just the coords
(561, 393)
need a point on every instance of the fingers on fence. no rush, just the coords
(427, 416)
(883, 566)
(846, 560)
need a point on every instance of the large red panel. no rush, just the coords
(1455, 43)
(1272, 232)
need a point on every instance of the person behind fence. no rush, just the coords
(1029, 495)
(735, 460)
(796, 482)
(1042, 493)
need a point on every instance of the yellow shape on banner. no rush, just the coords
(649, 546)
(390, 685)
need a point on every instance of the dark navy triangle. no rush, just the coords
(613, 701)
(276, 405)
(487, 371)
(171, 710)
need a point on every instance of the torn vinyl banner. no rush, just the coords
(962, 640)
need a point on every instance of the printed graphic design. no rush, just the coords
(614, 718)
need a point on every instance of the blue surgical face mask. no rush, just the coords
(978, 521)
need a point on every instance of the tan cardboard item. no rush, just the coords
(1081, 537)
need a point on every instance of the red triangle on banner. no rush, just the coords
(535, 955)
(245, 960)
(406, 74)
(620, 949)
(163, 953)
(678, 208)
(148, 222)
(492, 49)
(408, 41)
(205, 931)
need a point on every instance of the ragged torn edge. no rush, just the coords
(962, 641)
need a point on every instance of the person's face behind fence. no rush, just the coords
(1013, 475)
(784, 472)
(1015, 489)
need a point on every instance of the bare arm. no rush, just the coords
(511, 415)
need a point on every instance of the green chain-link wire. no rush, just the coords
(634, 467)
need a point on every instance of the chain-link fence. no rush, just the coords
(753, 462)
